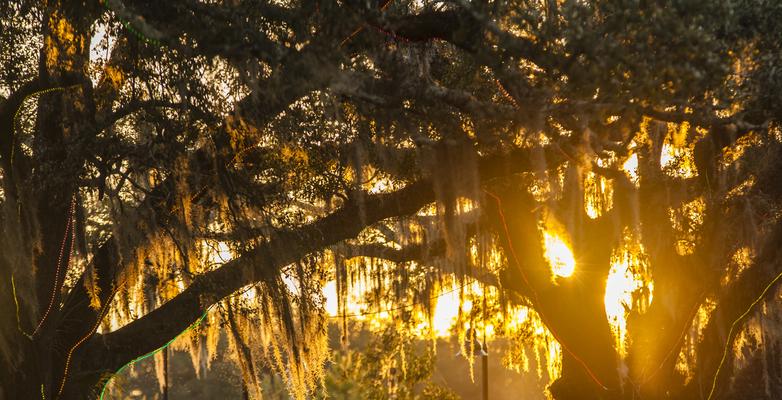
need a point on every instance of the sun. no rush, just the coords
(559, 256)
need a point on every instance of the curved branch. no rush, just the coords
(261, 263)
(264, 262)
(408, 253)
(109, 119)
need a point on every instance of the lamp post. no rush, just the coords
(481, 351)
(485, 368)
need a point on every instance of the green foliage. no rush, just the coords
(388, 367)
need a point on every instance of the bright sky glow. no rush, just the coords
(630, 167)
(623, 286)
(559, 256)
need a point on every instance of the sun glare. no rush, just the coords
(444, 317)
(628, 286)
(445, 313)
(559, 256)
(618, 295)
(630, 167)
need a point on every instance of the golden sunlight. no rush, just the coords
(559, 256)
(598, 196)
(445, 312)
(677, 157)
(628, 286)
(353, 304)
(687, 358)
(444, 317)
(618, 295)
(630, 167)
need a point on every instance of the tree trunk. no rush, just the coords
(45, 202)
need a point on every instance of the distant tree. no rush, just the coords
(388, 366)
(481, 140)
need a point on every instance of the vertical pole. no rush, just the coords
(165, 373)
(484, 348)
(485, 364)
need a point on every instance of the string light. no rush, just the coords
(361, 28)
(16, 301)
(68, 227)
(535, 294)
(729, 339)
(130, 27)
(159, 349)
(18, 110)
(102, 314)
(645, 380)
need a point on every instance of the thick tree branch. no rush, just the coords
(105, 121)
(261, 263)
(264, 262)
(8, 109)
(212, 29)
(421, 252)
